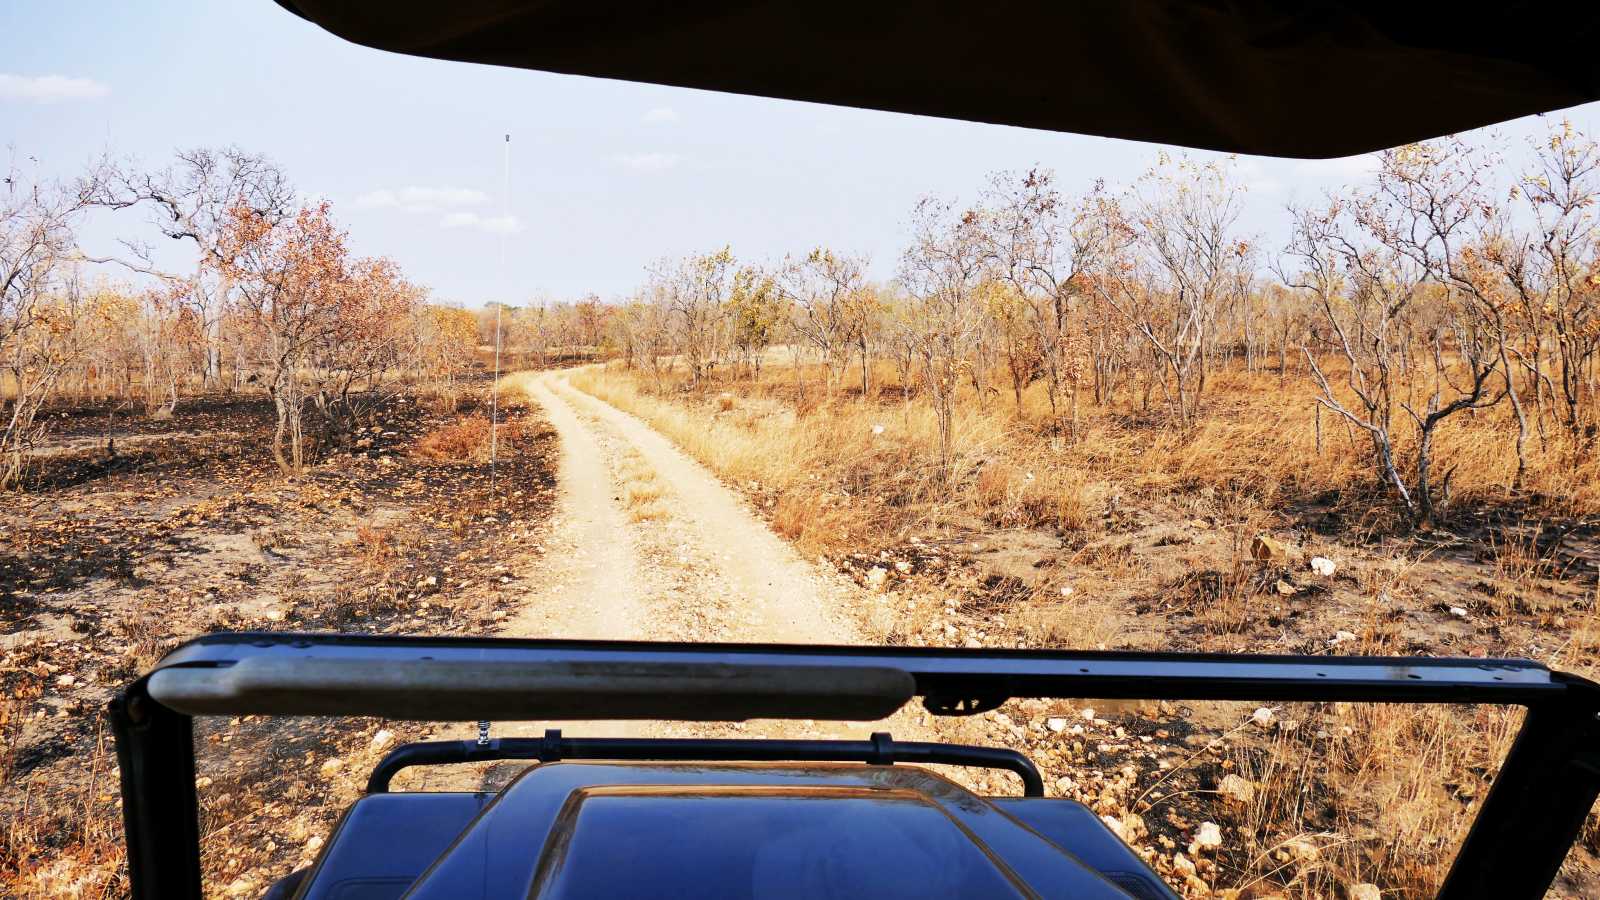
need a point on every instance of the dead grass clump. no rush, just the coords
(375, 546)
(1078, 622)
(467, 440)
(464, 440)
(14, 704)
(817, 521)
(66, 844)
(1012, 496)
(642, 490)
(1408, 781)
(445, 398)
(146, 636)
(513, 389)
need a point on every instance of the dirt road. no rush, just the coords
(702, 566)
(691, 563)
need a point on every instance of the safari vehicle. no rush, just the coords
(630, 817)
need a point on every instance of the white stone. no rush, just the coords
(1055, 724)
(1236, 788)
(1262, 716)
(1323, 566)
(1115, 824)
(1208, 836)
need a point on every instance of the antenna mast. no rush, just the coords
(494, 387)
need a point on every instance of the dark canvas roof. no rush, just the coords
(1312, 79)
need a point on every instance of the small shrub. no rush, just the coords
(464, 440)
(375, 545)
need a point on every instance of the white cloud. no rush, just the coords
(421, 199)
(661, 114)
(49, 88)
(648, 162)
(1256, 177)
(1348, 167)
(506, 224)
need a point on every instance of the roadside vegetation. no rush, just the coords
(284, 437)
(1102, 419)
(1116, 420)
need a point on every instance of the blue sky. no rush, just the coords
(606, 176)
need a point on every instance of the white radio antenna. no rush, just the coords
(494, 386)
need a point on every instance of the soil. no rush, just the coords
(134, 535)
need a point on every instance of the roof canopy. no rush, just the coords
(1278, 77)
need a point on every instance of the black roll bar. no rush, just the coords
(1529, 819)
(881, 750)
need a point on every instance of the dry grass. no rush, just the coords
(374, 546)
(65, 843)
(464, 440)
(467, 440)
(1356, 793)
(642, 491)
(1366, 793)
(845, 467)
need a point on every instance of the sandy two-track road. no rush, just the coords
(703, 567)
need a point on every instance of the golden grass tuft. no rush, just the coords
(466, 440)
(642, 491)
(847, 472)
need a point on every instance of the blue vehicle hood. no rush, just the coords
(567, 830)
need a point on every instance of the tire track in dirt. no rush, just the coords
(723, 575)
(589, 583)
(704, 567)
(584, 582)
(768, 593)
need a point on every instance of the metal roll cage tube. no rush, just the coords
(1529, 819)
(881, 750)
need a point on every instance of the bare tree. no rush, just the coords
(39, 303)
(758, 311)
(1187, 262)
(1363, 295)
(290, 276)
(1045, 249)
(825, 290)
(695, 294)
(944, 271)
(1431, 204)
(1551, 269)
(191, 200)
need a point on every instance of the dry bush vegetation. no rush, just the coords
(104, 569)
(1114, 421)
(284, 437)
(1110, 420)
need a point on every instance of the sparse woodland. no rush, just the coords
(275, 305)
(1136, 424)
(1448, 300)
(1098, 416)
